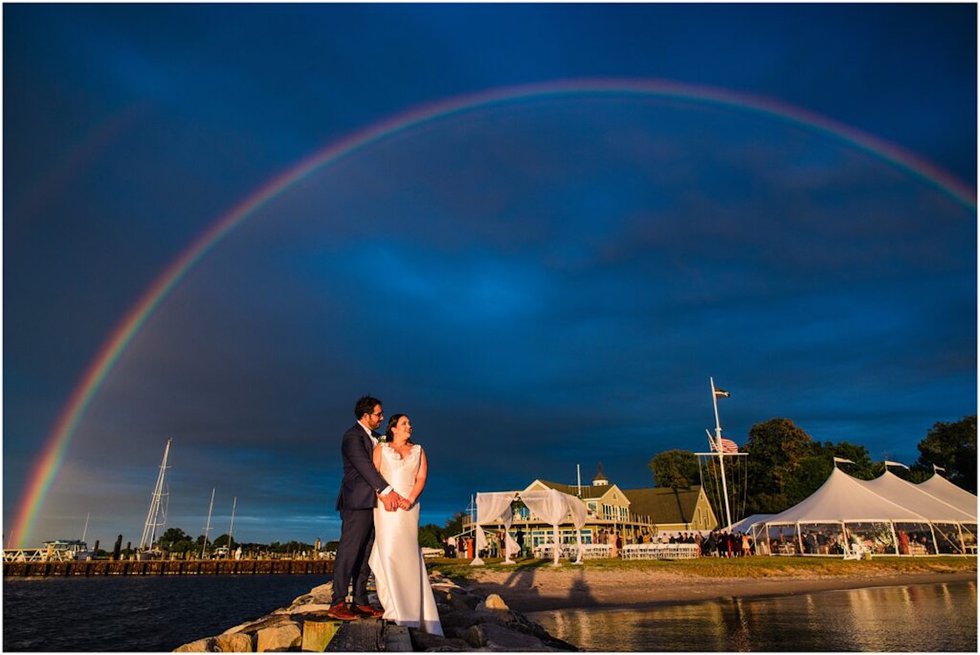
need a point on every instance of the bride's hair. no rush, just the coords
(392, 422)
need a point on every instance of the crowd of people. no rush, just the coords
(717, 543)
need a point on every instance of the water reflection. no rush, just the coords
(936, 617)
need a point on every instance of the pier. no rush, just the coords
(92, 568)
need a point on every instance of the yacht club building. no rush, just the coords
(637, 515)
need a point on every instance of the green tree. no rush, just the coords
(222, 540)
(175, 540)
(952, 446)
(675, 469)
(455, 524)
(777, 450)
(172, 535)
(430, 536)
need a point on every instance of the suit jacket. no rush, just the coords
(361, 482)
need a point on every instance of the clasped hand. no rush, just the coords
(393, 502)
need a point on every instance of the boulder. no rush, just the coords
(273, 620)
(238, 642)
(279, 638)
(423, 641)
(318, 633)
(501, 639)
(492, 602)
(199, 646)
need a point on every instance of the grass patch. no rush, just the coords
(742, 567)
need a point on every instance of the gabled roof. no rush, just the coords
(664, 505)
(588, 492)
(946, 491)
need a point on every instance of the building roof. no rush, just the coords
(663, 504)
(588, 492)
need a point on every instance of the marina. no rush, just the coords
(97, 568)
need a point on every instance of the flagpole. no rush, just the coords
(721, 455)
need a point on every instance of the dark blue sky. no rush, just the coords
(541, 282)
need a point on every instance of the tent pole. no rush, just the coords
(895, 537)
(935, 542)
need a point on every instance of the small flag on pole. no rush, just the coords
(727, 446)
(721, 393)
(887, 464)
(841, 460)
(936, 469)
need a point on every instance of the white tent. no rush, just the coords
(746, 524)
(915, 498)
(550, 505)
(946, 491)
(843, 498)
(884, 516)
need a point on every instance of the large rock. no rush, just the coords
(238, 642)
(279, 638)
(199, 646)
(318, 633)
(499, 638)
(273, 620)
(492, 602)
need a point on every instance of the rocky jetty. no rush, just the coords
(471, 622)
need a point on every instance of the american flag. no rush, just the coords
(727, 446)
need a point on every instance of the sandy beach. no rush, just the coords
(531, 590)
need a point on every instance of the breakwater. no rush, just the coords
(95, 568)
(471, 622)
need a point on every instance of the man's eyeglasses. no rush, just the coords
(378, 414)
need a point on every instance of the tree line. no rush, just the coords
(785, 465)
(175, 540)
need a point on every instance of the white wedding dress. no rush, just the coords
(396, 559)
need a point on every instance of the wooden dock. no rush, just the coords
(93, 568)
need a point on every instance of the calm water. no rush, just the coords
(137, 613)
(934, 617)
(160, 613)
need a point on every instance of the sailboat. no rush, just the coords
(156, 516)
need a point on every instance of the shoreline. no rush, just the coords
(549, 590)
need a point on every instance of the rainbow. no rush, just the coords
(49, 462)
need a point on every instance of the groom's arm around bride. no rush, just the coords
(360, 489)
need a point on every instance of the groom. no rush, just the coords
(360, 490)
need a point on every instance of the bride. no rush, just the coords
(396, 560)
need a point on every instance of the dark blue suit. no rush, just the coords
(356, 501)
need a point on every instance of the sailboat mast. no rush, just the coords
(150, 527)
(231, 528)
(207, 528)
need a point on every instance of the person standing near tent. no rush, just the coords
(903, 542)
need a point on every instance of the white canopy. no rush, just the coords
(550, 505)
(848, 502)
(843, 498)
(948, 492)
(749, 521)
(913, 497)
(490, 508)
